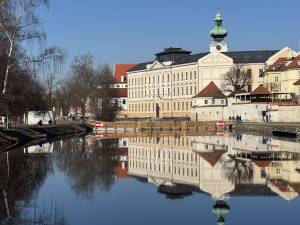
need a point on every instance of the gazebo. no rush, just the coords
(261, 94)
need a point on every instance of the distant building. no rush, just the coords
(120, 83)
(283, 77)
(165, 86)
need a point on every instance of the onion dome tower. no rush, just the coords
(218, 33)
(221, 208)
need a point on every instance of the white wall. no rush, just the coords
(34, 117)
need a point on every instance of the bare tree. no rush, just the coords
(18, 22)
(80, 75)
(236, 78)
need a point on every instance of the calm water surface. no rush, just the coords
(171, 179)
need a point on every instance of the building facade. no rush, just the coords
(165, 86)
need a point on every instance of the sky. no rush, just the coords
(133, 31)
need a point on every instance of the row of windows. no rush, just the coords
(214, 101)
(157, 140)
(153, 167)
(188, 157)
(164, 107)
(164, 78)
(188, 90)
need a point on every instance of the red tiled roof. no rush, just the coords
(278, 63)
(121, 69)
(261, 90)
(294, 63)
(262, 163)
(122, 173)
(297, 82)
(211, 90)
(239, 91)
(120, 92)
(212, 158)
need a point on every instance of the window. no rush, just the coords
(276, 79)
(213, 101)
(162, 106)
(177, 76)
(249, 87)
(195, 75)
(182, 105)
(186, 90)
(177, 90)
(174, 91)
(168, 91)
(181, 90)
(145, 80)
(178, 106)
(187, 105)
(195, 89)
(124, 101)
(138, 81)
(260, 73)
(168, 77)
(174, 106)
(277, 170)
(149, 80)
(163, 78)
(249, 72)
(222, 102)
(191, 75)
(186, 75)
(181, 75)
(157, 78)
(173, 76)
(206, 102)
(191, 90)
(168, 106)
(153, 79)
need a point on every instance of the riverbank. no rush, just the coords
(292, 129)
(13, 138)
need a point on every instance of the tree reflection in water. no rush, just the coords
(88, 166)
(21, 177)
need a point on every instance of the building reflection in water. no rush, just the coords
(221, 166)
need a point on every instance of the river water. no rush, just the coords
(171, 179)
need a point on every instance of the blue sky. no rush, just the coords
(132, 31)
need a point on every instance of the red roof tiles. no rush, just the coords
(261, 90)
(120, 92)
(212, 158)
(211, 90)
(280, 64)
(121, 69)
(297, 82)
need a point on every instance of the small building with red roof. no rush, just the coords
(120, 85)
(209, 104)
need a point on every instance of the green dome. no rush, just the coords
(218, 32)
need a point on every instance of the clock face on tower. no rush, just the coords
(219, 47)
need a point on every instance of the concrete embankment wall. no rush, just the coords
(18, 137)
(267, 128)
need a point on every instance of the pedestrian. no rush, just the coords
(233, 119)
